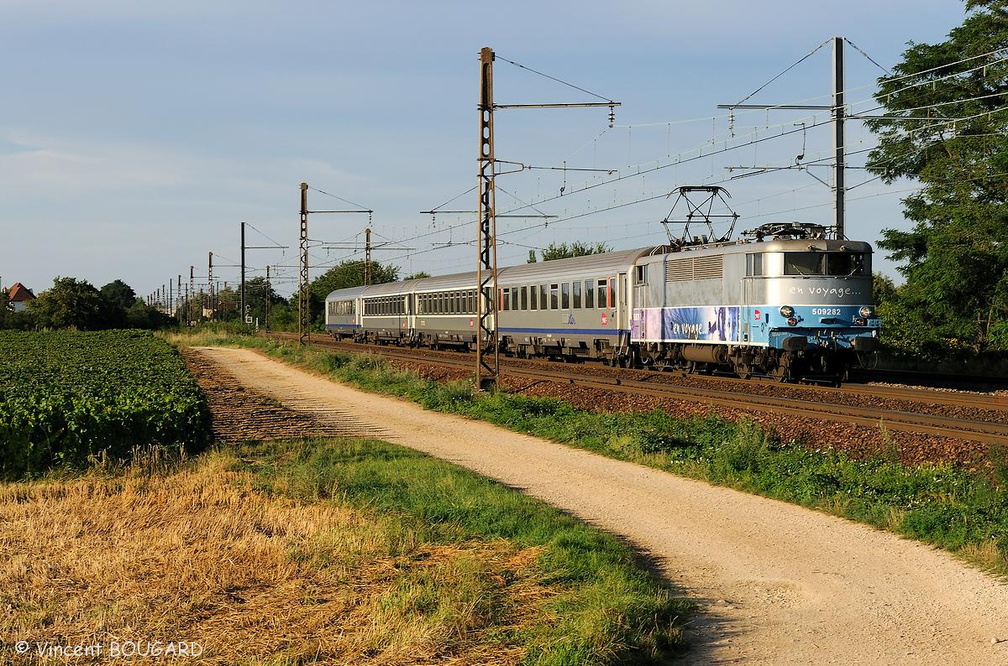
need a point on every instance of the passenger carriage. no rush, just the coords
(343, 310)
(444, 313)
(573, 308)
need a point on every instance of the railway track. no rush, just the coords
(970, 417)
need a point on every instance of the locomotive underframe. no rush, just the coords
(795, 362)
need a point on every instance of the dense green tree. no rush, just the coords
(565, 251)
(70, 303)
(284, 316)
(117, 298)
(945, 126)
(141, 315)
(257, 292)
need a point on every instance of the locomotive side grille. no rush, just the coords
(708, 268)
(687, 269)
(679, 270)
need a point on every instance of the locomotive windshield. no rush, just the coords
(824, 263)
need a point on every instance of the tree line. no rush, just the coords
(77, 304)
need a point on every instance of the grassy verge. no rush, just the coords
(318, 551)
(963, 512)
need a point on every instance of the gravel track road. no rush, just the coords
(777, 584)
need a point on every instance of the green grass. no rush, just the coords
(962, 511)
(604, 607)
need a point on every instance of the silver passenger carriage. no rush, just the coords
(575, 308)
(386, 314)
(445, 312)
(343, 310)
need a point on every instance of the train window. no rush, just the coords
(554, 299)
(543, 297)
(524, 298)
(604, 297)
(534, 297)
(514, 298)
(803, 263)
(754, 264)
(576, 287)
(589, 294)
(565, 296)
(844, 263)
(472, 301)
(505, 300)
(823, 263)
(611, 292)
(640, 274)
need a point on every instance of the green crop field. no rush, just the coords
(67, 398)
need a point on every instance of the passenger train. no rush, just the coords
(786, 302)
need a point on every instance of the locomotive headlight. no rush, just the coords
(866, 311)
(792, 321)
(787, 311)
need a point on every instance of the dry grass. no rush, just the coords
(201, 555)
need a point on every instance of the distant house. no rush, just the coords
(18, 296)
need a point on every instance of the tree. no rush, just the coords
(946, 126)
(256, 294)
(141, 315)
(117, 298)
(70, 303)
(564, 251)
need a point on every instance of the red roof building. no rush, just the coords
(18, 296)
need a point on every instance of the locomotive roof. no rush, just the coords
(819, 245)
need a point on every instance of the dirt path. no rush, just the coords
(779, 584)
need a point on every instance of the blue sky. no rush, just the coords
(135, 137)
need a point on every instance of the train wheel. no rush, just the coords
(781, 374)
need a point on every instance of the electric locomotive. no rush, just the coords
(794, 306)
